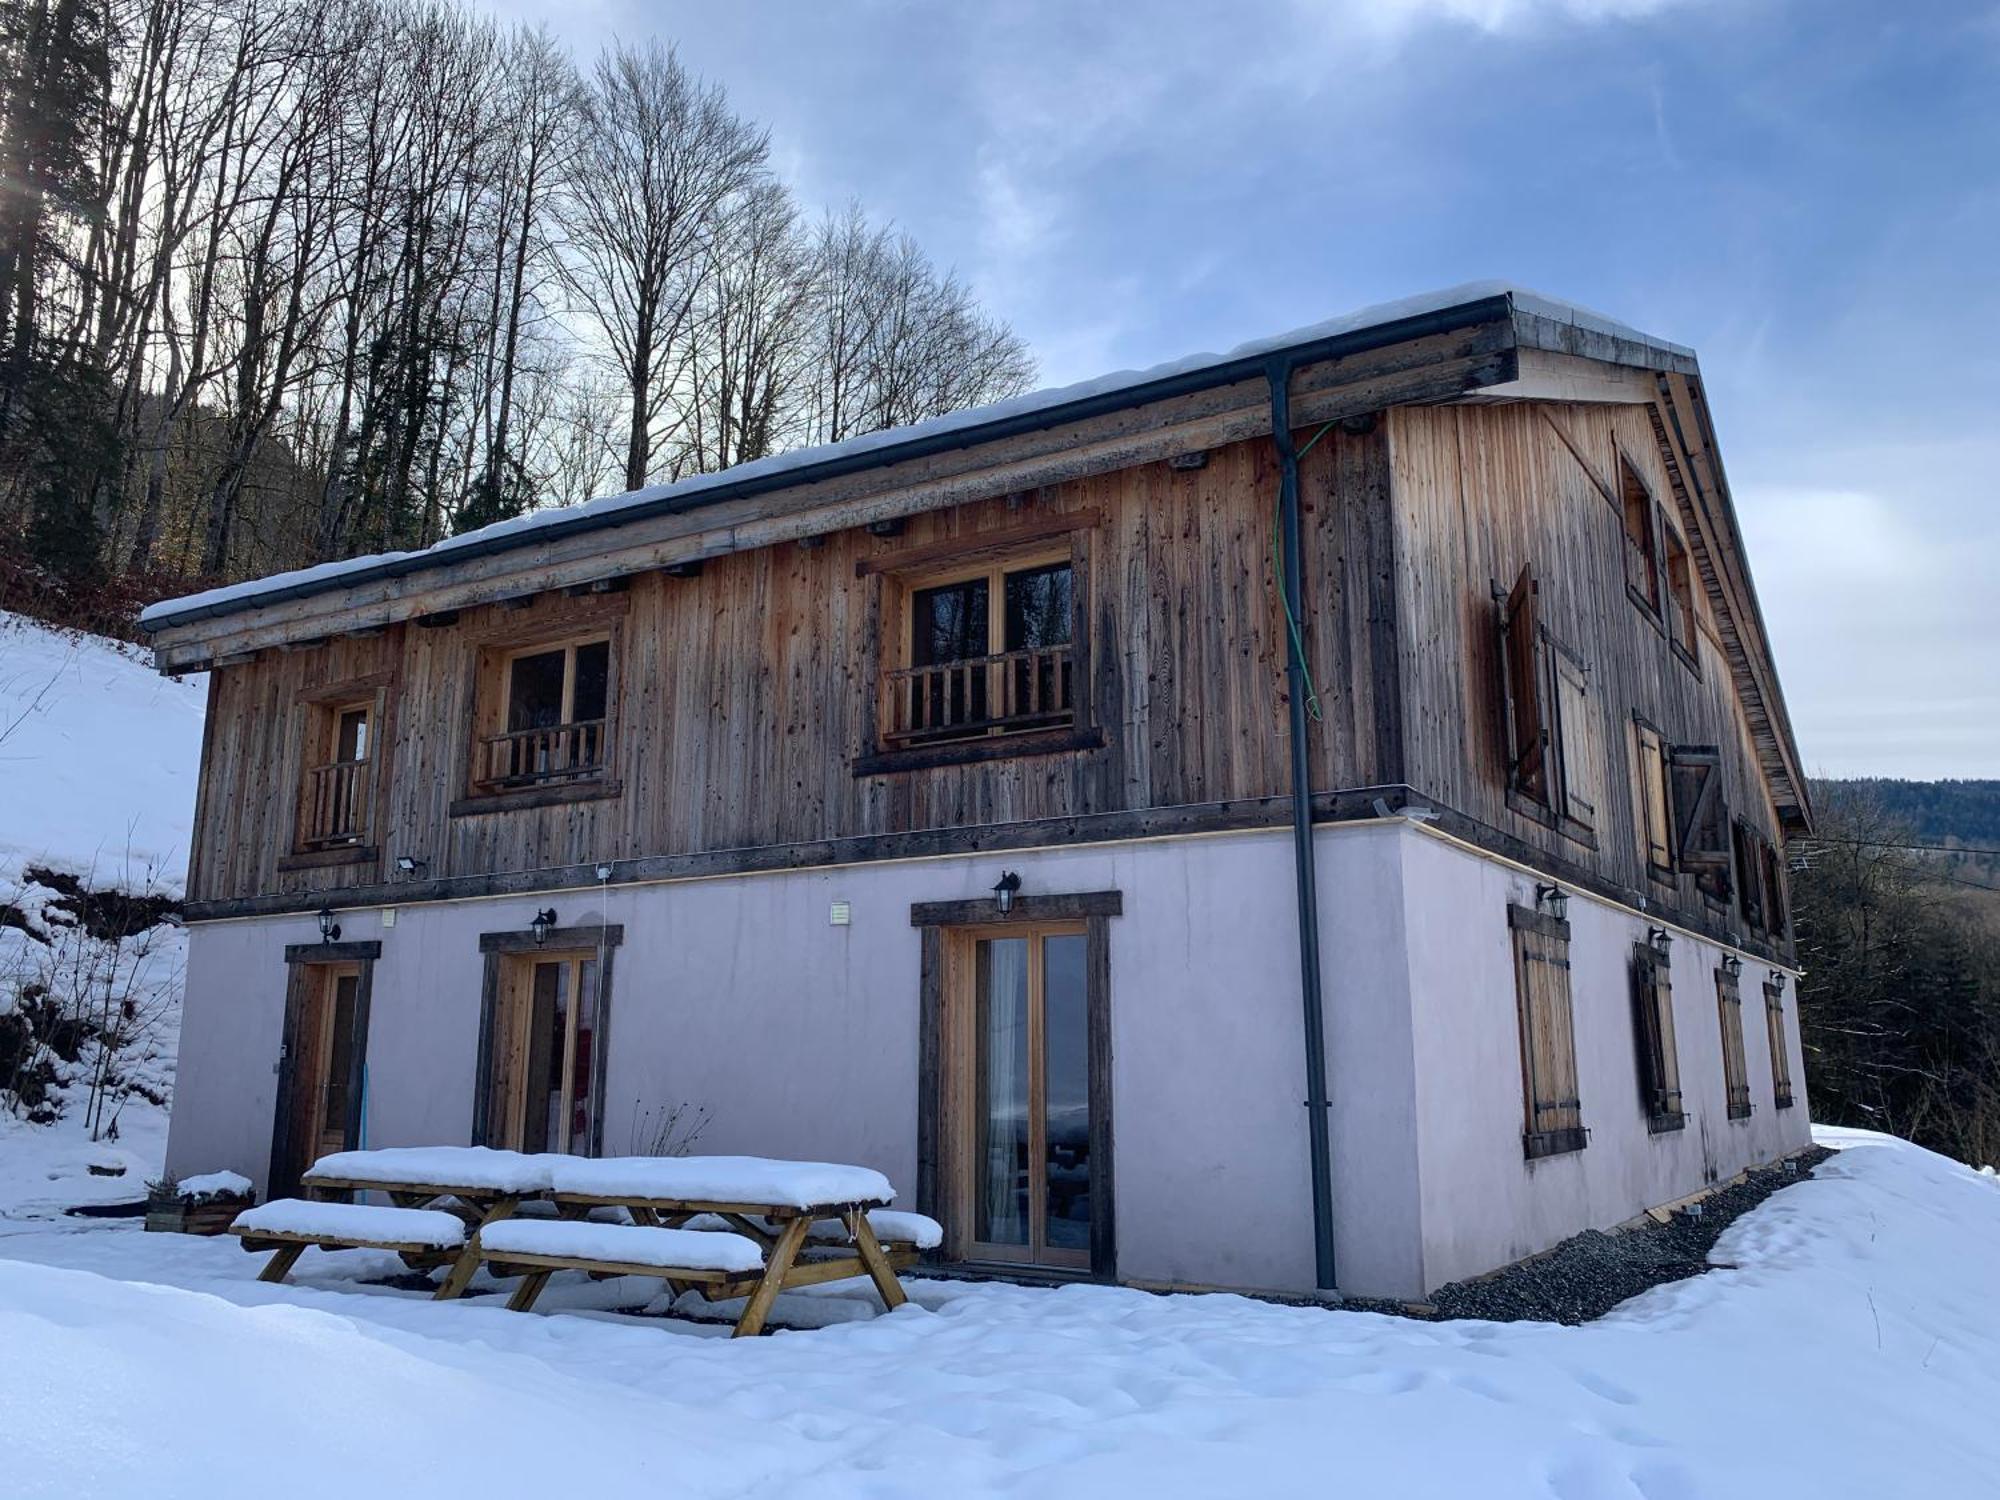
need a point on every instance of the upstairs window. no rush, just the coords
(1554, 759)
(988, 650)
(1554, 1114)
(1749, 876)
(1680, 596)
(1653, 1032)
(338, 785)
(1642, 551)
(1735, 1076)
(1774, 891)
(547, 721)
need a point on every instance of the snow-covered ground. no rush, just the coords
(1848, 1344)
(98, 759)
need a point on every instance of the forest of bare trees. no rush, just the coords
(282, 282)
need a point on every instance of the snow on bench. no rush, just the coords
(891, 1226)
(477, 1167)
(720, 1179)
(355, 1224)
(622, 1245)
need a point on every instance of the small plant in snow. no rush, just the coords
(672, 1130)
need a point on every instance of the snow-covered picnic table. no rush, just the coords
(726, 1226)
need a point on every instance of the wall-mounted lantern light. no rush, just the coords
(329, 930)
(1777, 984)
(1731, 965)
(1553, 900)
(1003, 893)
(1661, 941)
(545, 920)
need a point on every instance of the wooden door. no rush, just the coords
(321, 1070)
(1025, 1168)
(544, 1039)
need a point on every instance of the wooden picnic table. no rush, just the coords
(771, 1204)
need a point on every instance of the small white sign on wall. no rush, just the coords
(839, 914)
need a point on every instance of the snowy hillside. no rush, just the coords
(98, 758)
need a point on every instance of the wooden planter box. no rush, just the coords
(176, 1217)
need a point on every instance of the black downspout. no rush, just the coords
(1279, 372)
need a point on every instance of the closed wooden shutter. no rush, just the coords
(1526, 706)
(1774, 890)
(1749, 876)
(1554, 1114)
(1655, 831)
(1653, 1029)
(1735, 1076)
(1781, 1061)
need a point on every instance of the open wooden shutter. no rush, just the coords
(1701, 817)
(1554, 1114)
(1580, 763)
(1774, 890)
(1527, 708)
(1781, 1062)
(1750, 876)
(1653, 1030)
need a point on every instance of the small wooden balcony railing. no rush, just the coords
(534, 757)
(337, 802)
(1007, 693)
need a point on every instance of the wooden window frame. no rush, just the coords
(1552, 1122)
(1700, 819)
(1735, 1068)
(1655, 1047)
(1542, 776)
(893, 581)
(317, 713)
(599, 941)
(1781, 1057)
(948, 929)
(486, 701)
(1679, 600)
(1628, 478)
(1649, 739)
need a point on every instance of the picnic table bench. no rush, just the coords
(724, 1226)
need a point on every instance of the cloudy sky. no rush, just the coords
(1807, 191)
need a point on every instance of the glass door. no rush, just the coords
(545, 1055)
(1030, 1099)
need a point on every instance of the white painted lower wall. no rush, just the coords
(800, 1038)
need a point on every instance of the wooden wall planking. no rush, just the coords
(1479, 492)
(745, 693)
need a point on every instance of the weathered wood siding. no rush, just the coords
(1481, 491)
(744, 694)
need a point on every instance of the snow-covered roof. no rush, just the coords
(957, 429)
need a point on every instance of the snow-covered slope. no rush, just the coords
(1847, 1344)
(98, 758)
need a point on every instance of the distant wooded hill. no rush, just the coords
(1937, 812)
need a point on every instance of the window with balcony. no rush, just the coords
(552, 720)
(988, 650)
(339, 777)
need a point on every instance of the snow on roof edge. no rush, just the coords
(231, 597)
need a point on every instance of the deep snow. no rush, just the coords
(1848, 1344)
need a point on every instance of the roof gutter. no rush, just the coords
(1207, 377)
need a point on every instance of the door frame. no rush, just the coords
(948, 929)
(304, 983)
(604, 939)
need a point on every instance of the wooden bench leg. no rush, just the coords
(529, 1289)
(782, 1254)
(460, 1276)
(281, 1264)
(870, 1250)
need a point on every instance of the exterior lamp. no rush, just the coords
(544, 920)
(1731, 965)
(1661, 941)
(1777, 984)
(1552, 899)
(329, 930)
(1003, 893)
(409, 864)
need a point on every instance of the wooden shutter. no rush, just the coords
(1554, 1114)
(1653, 1031)
(1774, 890)
(1579, 761)
(1735, 1076)
(1750, 875)
(1655, 826)
(1701, 816)
(1522, 673)
(1781, 1061)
